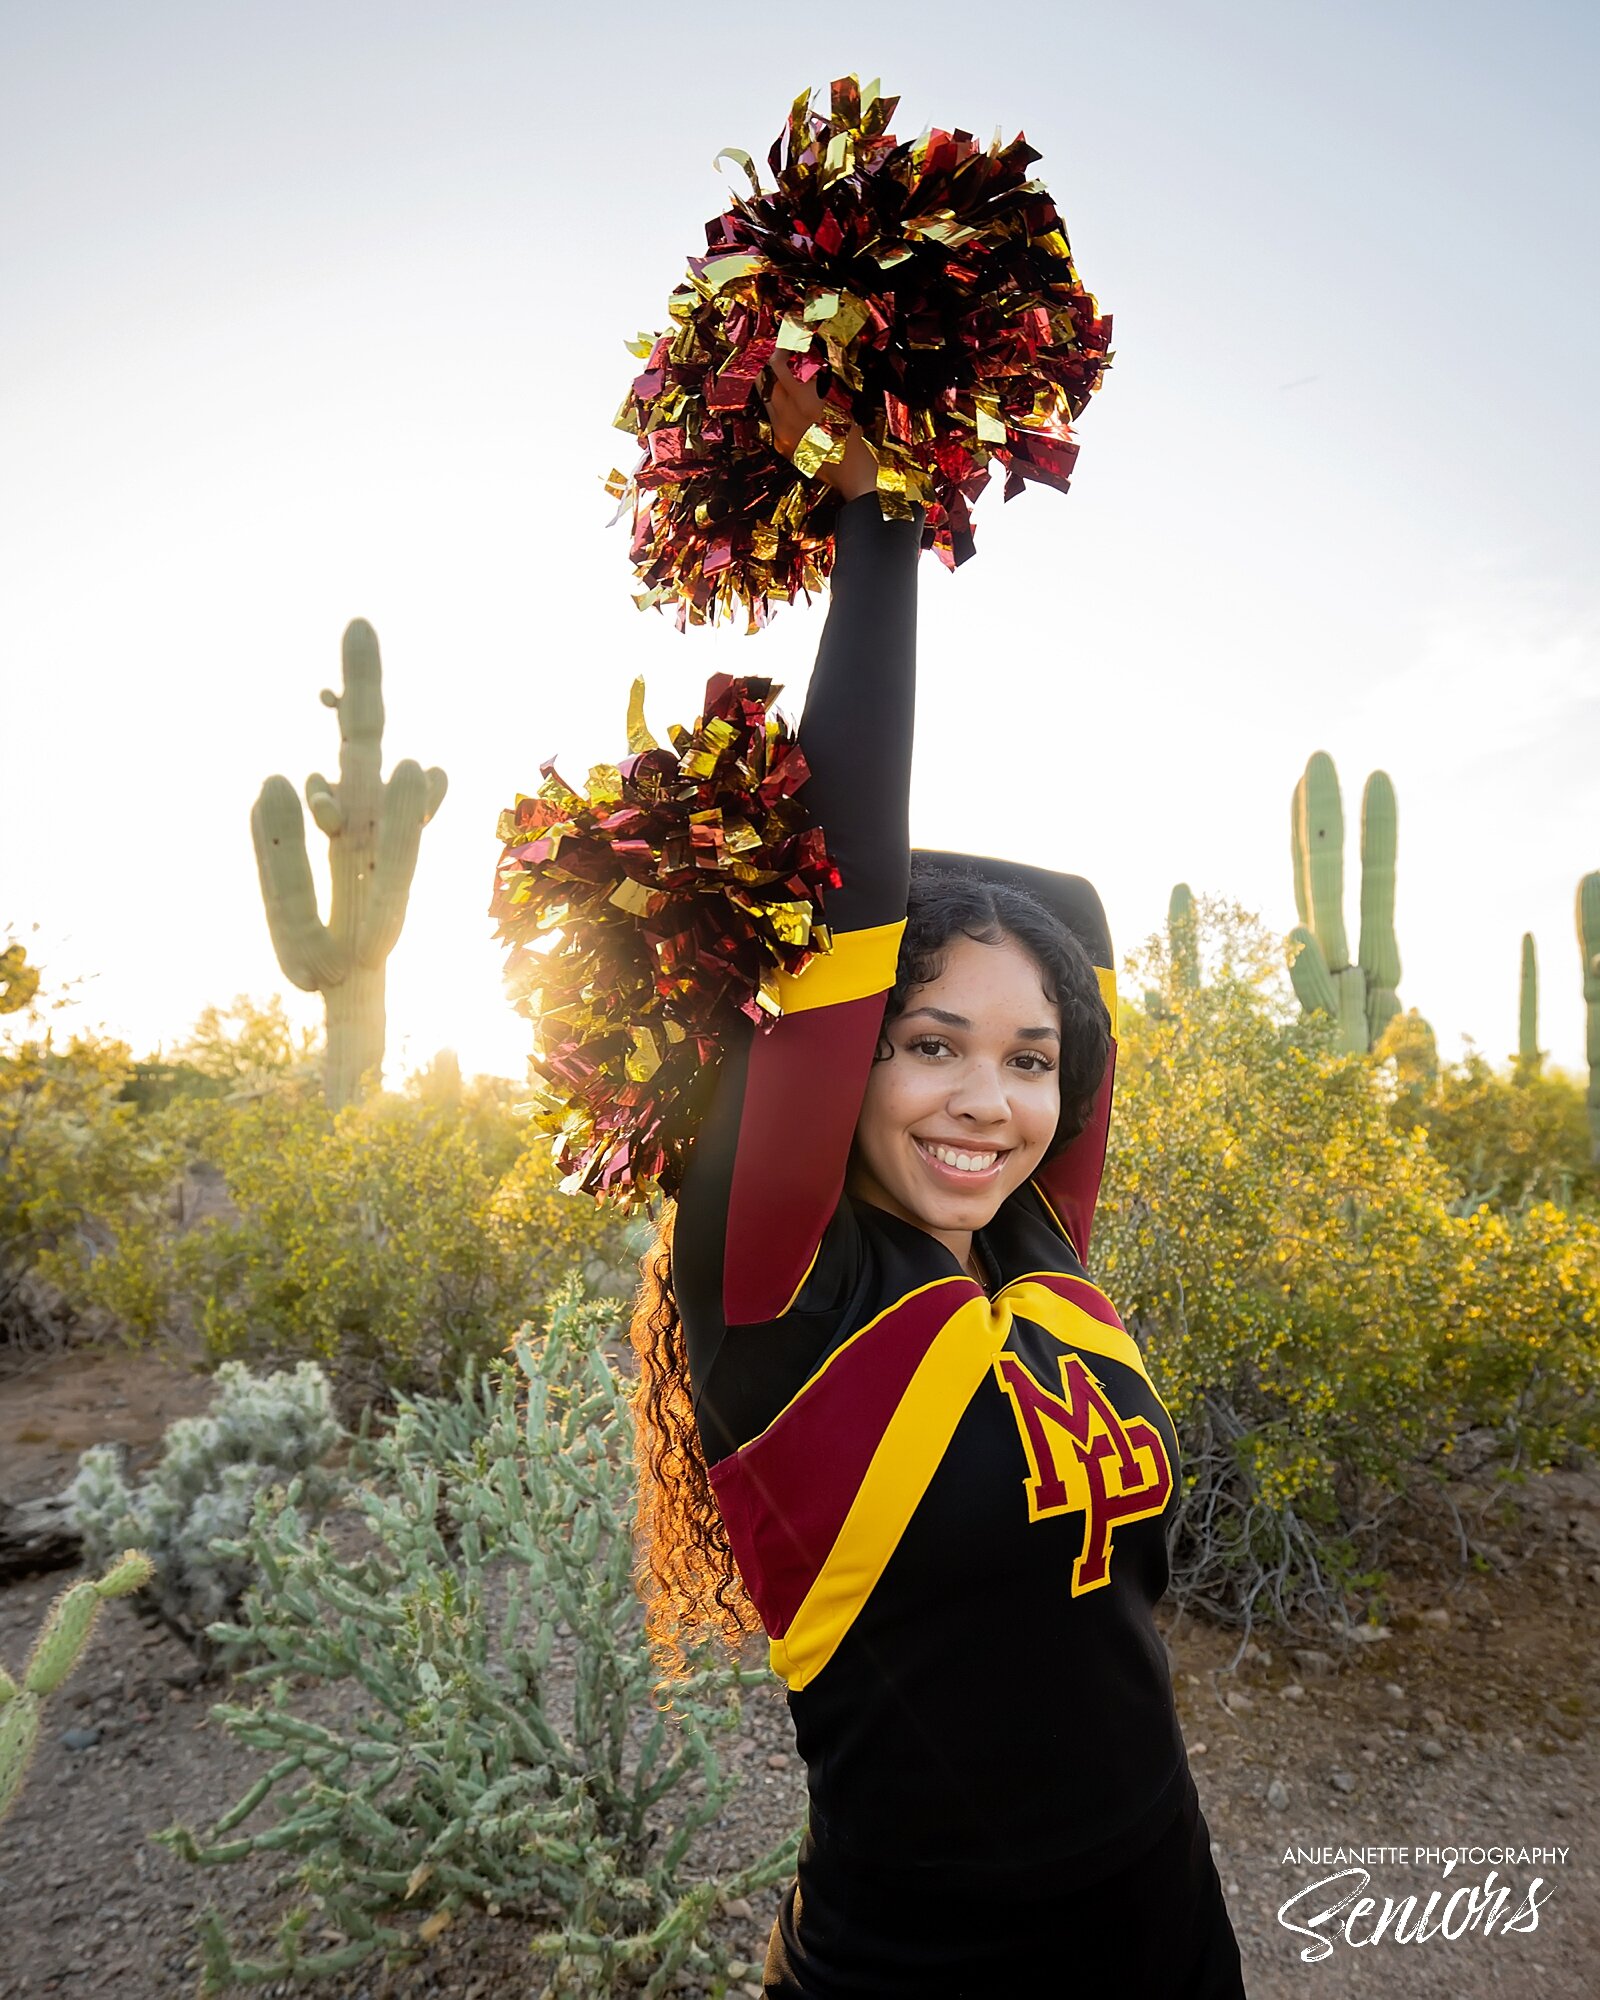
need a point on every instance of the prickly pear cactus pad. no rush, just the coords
(643, 914)
(929, 289)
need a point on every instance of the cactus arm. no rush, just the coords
(1379, 950)
(1378, 953)
(56, 1651)
(1322, 831)
(1589, 944)
(1297, 845)
(405, 801)
(323, 799)
(19, 1737)
(438, 785)
(305, 950)
(1313, 983)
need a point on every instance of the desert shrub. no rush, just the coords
(231, 1053)
(77, 1170)
(201, 1493)
(506, 1752)
(1333, 1325)
(389, 1242)
(1511, 1139)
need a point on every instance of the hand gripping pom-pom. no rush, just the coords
(929, 291)
(644, 914)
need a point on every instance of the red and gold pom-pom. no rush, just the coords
(927, 288)
(644, 914)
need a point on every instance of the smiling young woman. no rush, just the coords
(886, 1415)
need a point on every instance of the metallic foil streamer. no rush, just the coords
(929, 290)
(644, 915)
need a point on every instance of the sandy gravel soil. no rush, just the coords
(1469, 1726)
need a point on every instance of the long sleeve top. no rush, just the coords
(947, 1506)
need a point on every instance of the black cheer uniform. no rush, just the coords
(947, 1504)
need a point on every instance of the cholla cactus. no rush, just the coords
(56, 1651)
(260, 1432)
(373, 831)
(508, 1751)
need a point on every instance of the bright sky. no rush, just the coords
(311, 311)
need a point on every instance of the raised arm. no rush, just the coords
(769, 1163)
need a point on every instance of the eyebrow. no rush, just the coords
(961, 1021)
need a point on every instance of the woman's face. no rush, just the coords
(963, 1110)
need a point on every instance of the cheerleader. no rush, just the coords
(886, 1411)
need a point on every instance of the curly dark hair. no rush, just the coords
(686, 1572)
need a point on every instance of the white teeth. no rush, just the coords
(968, 1163)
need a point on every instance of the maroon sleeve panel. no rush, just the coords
(1070, 1183)
(768, 1166)
(803, 1089)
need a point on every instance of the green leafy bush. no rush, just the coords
(234, 1052)
(389, 1242)
(1511, 1140)
(202, 1492)
(78, 1172)
(1334, 1325)
(505, 1751)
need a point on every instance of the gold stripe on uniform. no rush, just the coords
(1108, 993)
(907, 1456)
(860, 963)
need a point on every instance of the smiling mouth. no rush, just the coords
(962, 1166)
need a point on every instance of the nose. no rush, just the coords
(977, 1095)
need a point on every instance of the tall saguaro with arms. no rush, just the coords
(374, 830)
(1361, 996)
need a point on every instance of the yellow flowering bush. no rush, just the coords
(388, 1241)
(1512, 1138)
(72, 1154)
(370, 1237)
(1332, 1321)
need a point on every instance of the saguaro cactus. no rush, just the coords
(1360, 996)
(1182, 938)
(56, 1651)
(373, 833)
(1529, 1054)
(1589, 945)
(1183, 952)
